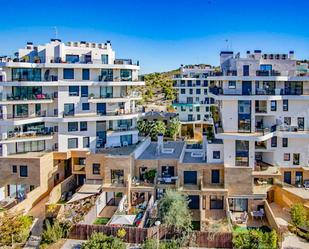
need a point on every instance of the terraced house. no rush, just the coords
(60, 100)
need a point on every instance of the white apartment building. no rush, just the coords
(264, 118)
(193, 101)
(71, 96)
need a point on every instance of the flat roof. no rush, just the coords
(118, 151)
(150, 153)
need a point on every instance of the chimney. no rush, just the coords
(204, 145)
(160, 143)
(257, 54)
(291, 55)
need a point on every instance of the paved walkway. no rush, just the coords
(38, 212)
(72, 244)
(291, 241)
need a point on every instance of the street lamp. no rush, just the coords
(157, 224)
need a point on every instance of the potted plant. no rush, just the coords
(150, 175)
(91, 95)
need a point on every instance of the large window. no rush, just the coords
(31, 146)
(106, 91)
(126, 140)
(285, 105)
(244, 116)
(273, 105)
(273, 141)
(216, 202)
(23, 171)
(26, 74)
(238, 204)
(85, 106)
(293, 88)
(285, 142)
(107, 75)
(26, 92)
(72, 143)
(72, 58)
(242, 153)
(72, 126)
(125, 75)
(215, 176)
(68, 73)
(190, 177)
(296, 157)
(20, 110)
(117, 176)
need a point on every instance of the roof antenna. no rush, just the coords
(56, 32)
(227, 44)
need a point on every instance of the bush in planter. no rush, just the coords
(150, 175)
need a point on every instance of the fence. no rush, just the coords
(139, 235)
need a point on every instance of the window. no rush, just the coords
(284, 142)
(232, 85)
(68, 110)
(273, 105)
(85, 142)
(86, 74)
(198, 91)
(183, 108)
(286, 156)
(205, 91)
(205, 83)
(285, 105)
(273, 141)
(83, 126)
(73, 90)
(299, 178)
(26, 74)
(287, 120)
(197, 109)
(190, 177)
(106, 75)
(190, 91)
(106, 91)
(14, 168)
(238, 204)
(198, 82)
(215, 176)
(295, 158)
(72, 126)
(245, 70)
(72, 143)
(125, 75)
(104, 58)
(68, 73)
(23, 147)
(216, 154)
(84, 91)
(244, 116)
(96, 169)
(216, 202)
(71, 58)
(23, 171)
(198, 117)
(242, 153)
(85, 106)
(117, 176)
(183, 91)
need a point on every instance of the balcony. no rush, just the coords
(42, 134)
(37, 98)
(19, 116)
(115, 99)
(125, 62)
(167, 180)
(267, 73)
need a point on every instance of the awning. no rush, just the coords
(79, 196)
(86, 191)
(122, 220)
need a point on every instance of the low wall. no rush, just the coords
(139, 235)
(64, 186)
(272, 219)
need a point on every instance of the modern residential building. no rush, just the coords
(62, 99)
(263, 121)
(193, 101)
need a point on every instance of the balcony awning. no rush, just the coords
(85, 191)
(122, 220)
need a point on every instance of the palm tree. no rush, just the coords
(156, 128)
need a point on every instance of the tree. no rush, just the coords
(156, 128)
(142, 126)
(14, 228)
(174, 212)
(174, 127)
(298, 215)
(102, 241)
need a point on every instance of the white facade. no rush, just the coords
(60, 96)
(264, 103)
(193, 100)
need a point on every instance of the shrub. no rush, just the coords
(102, 241)
(150, 175)
(298, 215)
(54, 232)
(14, 228)
(254, 239)
(153, 244)
(101, 221)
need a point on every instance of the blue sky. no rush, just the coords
(161, 34)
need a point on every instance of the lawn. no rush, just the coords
(101, 221)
